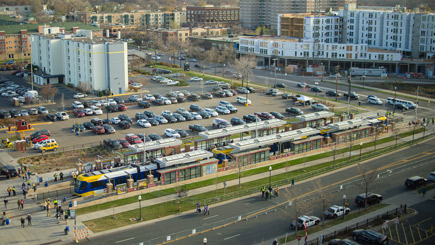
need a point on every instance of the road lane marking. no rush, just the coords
(393, 164)
(210, 217)
(228, 238)
(128, 239)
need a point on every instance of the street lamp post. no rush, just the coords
(274, 62)
(204, 241)
(344, 204)
(395, 94)
(360, 150)
(140, 208)
(144, 151)
(270, 176)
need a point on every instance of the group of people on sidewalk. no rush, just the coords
(29, 220)
(269, 192)
(60, 213)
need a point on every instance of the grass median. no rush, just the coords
(332, 223)
(199, 184)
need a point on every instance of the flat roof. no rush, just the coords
(33, 28)
(183, 158)
(155, 145)
(314, 116)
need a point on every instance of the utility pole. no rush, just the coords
(395, 95)
(418, 89)
(348, 96)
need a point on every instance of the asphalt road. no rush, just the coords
(392, 170)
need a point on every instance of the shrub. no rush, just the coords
(100, 93)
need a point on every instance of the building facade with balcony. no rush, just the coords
(212, 16)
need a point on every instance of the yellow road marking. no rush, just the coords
(404, 233)
(412, 234)
(391, 235)
(398, 235)
(423, 221)
(418, 229)
(420, 155)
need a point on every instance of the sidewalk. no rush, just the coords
(409, 198)
(235, 182)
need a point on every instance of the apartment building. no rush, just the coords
(310, 27)
(80, 60)
(212, 16)
(391, 28)
(183, 34)
(254, 13)
(16, 10)
(143, 19)
(15, 46)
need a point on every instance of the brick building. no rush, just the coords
(212, 16)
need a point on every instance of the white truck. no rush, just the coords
(32, 94)
(373, 72)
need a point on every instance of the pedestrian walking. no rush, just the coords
(34, 187)
(22, 204)
(45, 205)
(262, 191)
(48, 209)
(57, 217)
(267, 194)
(19, 204)
(61, 176)
(55, 203)
(275, 242)
(198, 207)
(6, 203)
(29, 219)
(13, 191)
(66, 217)
(206, 210)
(61, 212)
(25, 193)
(55, 177)
(423, 191)
(22, 221)
(276, 192)
(270, 190)
(28, 184)
(23, 176)
(9, 190)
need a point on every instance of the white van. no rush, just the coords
(39, 144)
(221, 123)
(32, 94)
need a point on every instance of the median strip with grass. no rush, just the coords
(220, 179)
(219, 195)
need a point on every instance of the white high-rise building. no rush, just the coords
(81, 61)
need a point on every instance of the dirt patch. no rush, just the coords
(425, 90)
(64, 160)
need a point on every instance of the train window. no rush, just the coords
(83, 185)
(97, 184)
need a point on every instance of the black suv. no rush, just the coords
(415, 182)
(369, 237)
(124, 117)
(112, 144)
(294, 110)
(371, 199)
(196, 108)
(112, 108)
(9, 171)
(144, 104)
(40, 132)
(251, 118)
(193, 97)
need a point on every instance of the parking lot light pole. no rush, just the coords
(270, 176)
(344, 205)
(274, 62)
(140, 208)
(360, 149)
(395, 94)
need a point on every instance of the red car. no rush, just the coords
(133, 139)
(98, 130)
(40, 138)
(78, 113)
(124, 143)
(264, 115)
(122, 107)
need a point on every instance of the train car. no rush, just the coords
(95, 183)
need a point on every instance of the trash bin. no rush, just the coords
(7, 221)
(70, 204)
(40, 180)
(66, 230)
(46, 183)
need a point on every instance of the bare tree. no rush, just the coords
(245, 65)
(240, 171)
(227, 57)
(85, 87)
(368, 175)
(48, 91)
(324, 197)
(212, 56)
(155, 42)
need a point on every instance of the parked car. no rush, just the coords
(231, 108)
(197, 128)
(369, 237)
(212, 112)
(135, 98)
(114, 120)
(371, 199)
(280, 85)
(33, 111)
(155, 136)
(149, 114)
(133, 139)
(77, 105)
(193, 97)
(222, 110)
(207, 96)
(204, 114)
(24, 112)
(243, 90)
(342, 242)
(98, 130)
(49, 147)
(264, 115)
(294, 110)
(119, 100)
(124, 124)
(179, 117)
(319, 107)
(111, 108)
(109, 129)
(336, 211)
(195, 108)
(79, 95)
(170, 118)
(39, 139)
(97, 121)
(277, 115)
(143, 123)
(251, 118)
(124, 143)
(415, 182)
(124, 117)
(96, 110)
(237, 121)
(353, 95)
(182, 132)
(40, 132)
(243, 100)
(88, 125)
(169, 132)
(305, 219)
(187, 116)
(316, 89)
(302, 85)
(78, 113)
(196, 115)
(112, 144)
(62, 116)
(251, 89)
(161, 119)
(51, 117)
(43, 110)
(153, 121)
(332, 93)
(14, 113)
(271, 91)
